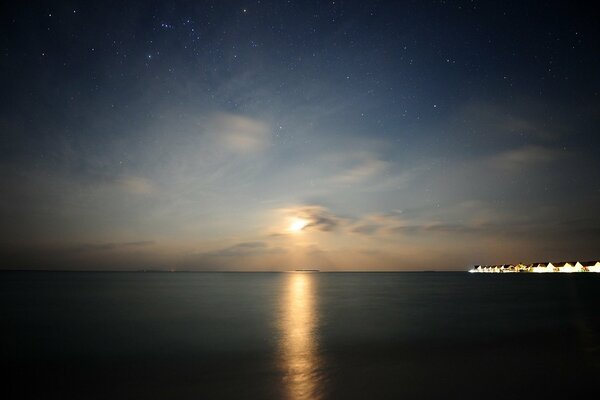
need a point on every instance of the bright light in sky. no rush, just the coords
(297, 225)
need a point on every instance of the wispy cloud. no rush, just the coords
(238, 133)
(517, 121)
(136, 184)
(366, 228)
(524, 157)
(367, 168)
(85, 247)
(258, 255)
(244, 249)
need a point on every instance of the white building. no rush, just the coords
(541, 268)
(567, 266)
(591, 266)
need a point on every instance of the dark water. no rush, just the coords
(298, 335)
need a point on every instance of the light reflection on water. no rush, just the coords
(300, 359)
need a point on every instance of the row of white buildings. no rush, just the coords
(566, 266)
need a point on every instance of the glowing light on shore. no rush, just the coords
(561, 267)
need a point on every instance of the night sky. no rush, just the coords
(274, 135)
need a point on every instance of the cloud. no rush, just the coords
(85, 247)
(444, 228)
(136, 185)
(239, 134)
(461, 218)
(253, 255)
(318, 218)
(245, 249)
(366, 229)
(524, 157)
(517, 120)
(376, 224)
(363, 171)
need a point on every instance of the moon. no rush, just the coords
(297, 225)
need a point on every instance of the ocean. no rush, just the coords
(184, 335)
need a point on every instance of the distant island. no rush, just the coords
(542, 267)
(306, 270)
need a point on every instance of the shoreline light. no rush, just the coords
(539, 267)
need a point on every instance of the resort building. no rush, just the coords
(523, 268)
(590, 266)
(540, 267)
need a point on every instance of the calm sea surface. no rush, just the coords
(298, 335)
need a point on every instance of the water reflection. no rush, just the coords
(299, 343)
